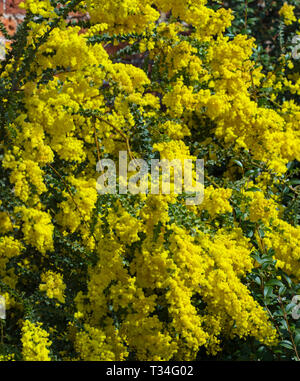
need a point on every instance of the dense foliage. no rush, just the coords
(88, 276)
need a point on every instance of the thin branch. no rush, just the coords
(121, 133)
(288, 327)
(71, 195)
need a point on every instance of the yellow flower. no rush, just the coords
(53, 285)
(35, 342)
(287, 12)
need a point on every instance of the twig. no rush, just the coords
(246, 14)
(2, 332)
(121, 133)
(288, 327)
(71, 195)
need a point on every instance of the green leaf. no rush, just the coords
(282, 290)
(237, 162)
(294, 182)
(289, 307)
(274, 282)
(253, 189)
(288, 279)
(286, 344)
(268, 291)
(297, 339)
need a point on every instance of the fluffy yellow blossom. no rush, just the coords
(92, 346)
(53, 285)
(287, 12)
(9, 357)
(262, 208)
(37, 228)
(284, 239)
(216, 200)
(35, 342)
(5, 223)
(150, 278)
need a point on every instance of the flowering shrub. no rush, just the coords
(88, 276)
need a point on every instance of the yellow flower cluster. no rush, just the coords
(122, 16)
(53, 285)
(9, 248)
(281, 236)
(77, 208)
(42, 8)
(36, 228)
(284, 239)
(5, 223)
(25, 173)
(92, 345)
(35, 342)
(287, 12)
(261, 208)
(216, 201)
(9, 357)
(147, 266)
